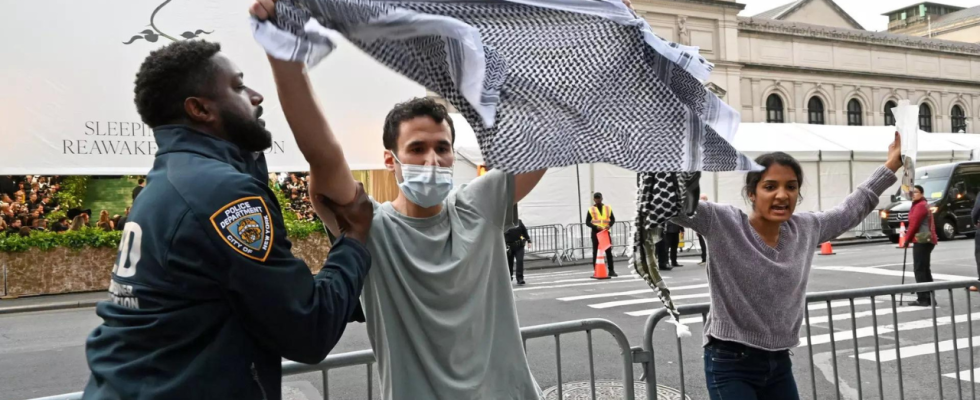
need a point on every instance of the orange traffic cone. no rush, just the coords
(600, 267)
(901, 236)
(826, 249)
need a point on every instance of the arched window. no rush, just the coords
(774, 109)
(959, 119)
(854, 113)
(889, 117)
(925, 117)
(815, 109)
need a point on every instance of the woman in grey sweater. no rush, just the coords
(759, 274)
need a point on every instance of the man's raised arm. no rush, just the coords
(330, 175)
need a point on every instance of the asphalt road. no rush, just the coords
(42, 353)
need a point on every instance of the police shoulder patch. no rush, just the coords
(246, 226)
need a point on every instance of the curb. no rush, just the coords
(48, 307)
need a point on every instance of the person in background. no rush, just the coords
(663, 255)
(140, 184)
(78, 223)
(3, 226)
(121, 223)
(14, 226)
(20, 195)
(40, 224)
(515, 238)
(7, 186)
(24, 231)
(60, 225)
(704, 248)
(5, 200)
(47, 205)
(922, 231)
(758, 289)
(673, 241)
(105, 224)
(87, 217)
(33, 202)
(600, 218)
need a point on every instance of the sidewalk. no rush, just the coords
(52, 302)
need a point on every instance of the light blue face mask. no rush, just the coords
(425, 185)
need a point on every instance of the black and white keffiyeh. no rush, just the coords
(545, 84)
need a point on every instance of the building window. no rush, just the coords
(889, 117)
(959, 119)
(815, 108)
(774, 109)
(925, 117)
(854, 113)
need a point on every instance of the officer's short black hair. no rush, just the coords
(597, 195)
(417, 107)
(171, 74)
(140, 181)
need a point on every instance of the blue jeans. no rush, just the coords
(734, 371)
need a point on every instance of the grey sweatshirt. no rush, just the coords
(758, 292)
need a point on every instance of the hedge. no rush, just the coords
(93, 237)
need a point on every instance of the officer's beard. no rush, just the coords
(248, 133)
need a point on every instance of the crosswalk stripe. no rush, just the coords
(921, 349)
(888, 272)
(863, 314)
(965, 375)
(628, 293)
(644, 301)
(553, 274)
(594, 282)
(869, 331)
(811, 307)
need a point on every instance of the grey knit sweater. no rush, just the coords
(758, 292)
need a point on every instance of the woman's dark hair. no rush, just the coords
(920, 189)
(753, 178)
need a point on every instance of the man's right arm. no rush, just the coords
(588, 220)
(330, 176)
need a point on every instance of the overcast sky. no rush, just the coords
(866, 12)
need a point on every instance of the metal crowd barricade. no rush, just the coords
(365, 358)
(547, 240)
(586, 325)
(578, 242)
(869, 228)
(647, 354)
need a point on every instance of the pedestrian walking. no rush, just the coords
(516, 238)
(922, 231)
(673, 239)
(600, 218)
(758, 289)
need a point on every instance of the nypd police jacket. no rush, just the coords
(206, 298)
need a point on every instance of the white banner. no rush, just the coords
(68, 67)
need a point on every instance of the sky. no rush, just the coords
(866, 12)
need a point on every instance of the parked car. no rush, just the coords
(950, 189)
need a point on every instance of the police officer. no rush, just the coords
(600, 218)
(515, 238)
(206, 298)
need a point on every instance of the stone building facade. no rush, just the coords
(775, 68)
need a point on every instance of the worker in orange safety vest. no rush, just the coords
(600, 218)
